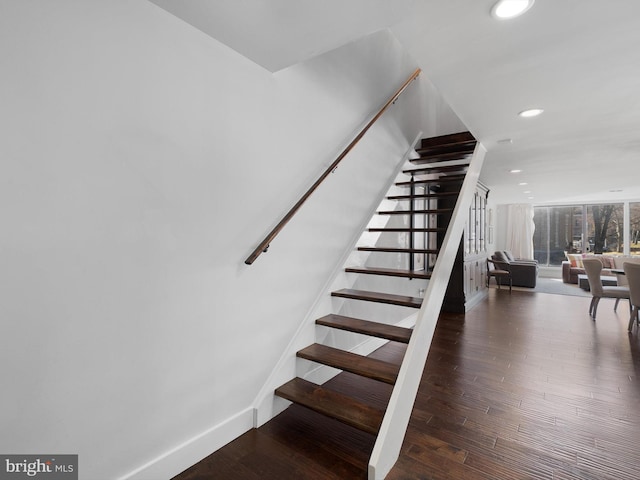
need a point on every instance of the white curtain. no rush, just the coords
(520, 229)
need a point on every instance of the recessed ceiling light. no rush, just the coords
(505, 141)
(505, 9)
(532, 112)
(527, 191)
(515, 170)
(522, 184)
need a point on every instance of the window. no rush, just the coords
(605, 228)
(634, 228)
(583, 229)
(541, 235)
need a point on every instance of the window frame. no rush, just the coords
(584, 236)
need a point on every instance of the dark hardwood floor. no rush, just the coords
(524, 386)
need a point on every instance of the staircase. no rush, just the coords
(434, 179)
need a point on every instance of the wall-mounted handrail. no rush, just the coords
(264, 245)
(396, 418)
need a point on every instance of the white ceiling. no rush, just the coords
(577, 59)
(279, 33)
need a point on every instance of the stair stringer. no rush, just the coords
(396, 419)
(267, 405)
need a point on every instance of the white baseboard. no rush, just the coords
(192, 451)
(476, 299)
(189, 453)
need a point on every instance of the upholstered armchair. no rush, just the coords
(524, 272)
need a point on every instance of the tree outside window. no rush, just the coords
(606, 226)
(634, 228)
(583, 229)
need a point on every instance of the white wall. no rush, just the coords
(141, 162)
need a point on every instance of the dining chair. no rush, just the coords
(621, 280)
(632, 273)
(498, 270)
(593, 269)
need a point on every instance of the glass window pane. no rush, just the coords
(558, 231)
(634, 228)
(575, 233)
(540, 235)
(605, 228)
(565, 232)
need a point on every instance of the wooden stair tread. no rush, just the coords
(350, 362)
(407, 230)
(389, 272)
(422, 195)
(432, 156)
(455, 146)
(332, 404)
(434, 181)
(431, 169)
(398, 250)
(451, 139)
(366, 327)
(445, 147)
(378, 297)
(429, 211)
